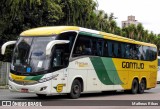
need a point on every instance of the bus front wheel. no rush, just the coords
(75, 89)
(135, 87)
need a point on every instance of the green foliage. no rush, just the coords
(19, 15)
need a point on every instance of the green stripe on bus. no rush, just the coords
(111, 70)
(91, 34)
(106, 70)
(101, 71)
(36, 78)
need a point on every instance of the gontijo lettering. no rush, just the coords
(132, 65)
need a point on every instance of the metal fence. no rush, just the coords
(4, 71)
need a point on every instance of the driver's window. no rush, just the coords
(60, 57)
(57, 58)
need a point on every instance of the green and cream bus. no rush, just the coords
(73, 60)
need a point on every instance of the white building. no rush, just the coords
(131, 20)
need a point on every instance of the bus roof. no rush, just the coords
(52, 30)
(48, 31)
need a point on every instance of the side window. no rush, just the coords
(82, 46)
(135, 53)
(123, 52)
(119, 50)
(127, 50)
(115, 49)
(60, 57)
(110, 47)
(140, 52)
(146, 52)
(94, 46)
(100, 45)
(153, 54)
(105, 49)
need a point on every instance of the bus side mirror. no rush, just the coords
(52, 43)
(3, 48)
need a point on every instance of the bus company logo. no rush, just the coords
(81, 64)
(133, 65)
(59, 87)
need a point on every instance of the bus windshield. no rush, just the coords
(29, 54)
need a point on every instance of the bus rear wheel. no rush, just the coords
(142, 86)
(135, 87)
(75, 89)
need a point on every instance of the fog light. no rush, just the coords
(43, 88)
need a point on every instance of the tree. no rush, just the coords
(113, 26)
(145, 35)
(131, 30)
(140, 31)
(118, 31)
(19, 15)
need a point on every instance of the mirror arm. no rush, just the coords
(3, 48)
(52, 43)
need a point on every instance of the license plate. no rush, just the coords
(24, 90)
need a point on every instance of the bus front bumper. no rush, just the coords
(39, 88)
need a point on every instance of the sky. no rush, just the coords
(145, 11)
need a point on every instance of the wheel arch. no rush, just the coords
(80, 78)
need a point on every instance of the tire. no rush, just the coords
(41, 95)
(75, 89)
(142, 86)
(135, 87)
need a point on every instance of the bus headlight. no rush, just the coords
(47, 79)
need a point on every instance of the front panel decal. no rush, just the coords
(26, 78)
(59, 87)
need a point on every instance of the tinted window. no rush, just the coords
(100, 46)
(82, 46)
(146, 52)
(127, 50)
(115, 49)
(110, 48)
(140, 52)
(153, 54)
(89, 45)
(105, 50)
(123, 50)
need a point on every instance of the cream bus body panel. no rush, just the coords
(84, 69)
